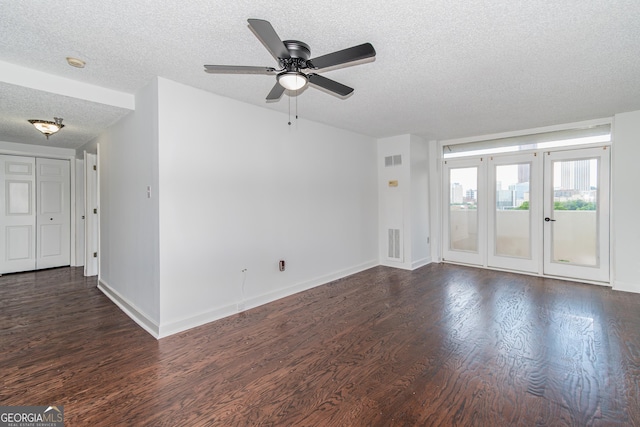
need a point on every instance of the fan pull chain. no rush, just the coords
(296, 106)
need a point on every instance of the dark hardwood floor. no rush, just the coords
(442, 345)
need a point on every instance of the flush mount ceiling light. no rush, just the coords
(47, 127)
(292, 80)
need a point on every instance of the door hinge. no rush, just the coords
(95, 210)
(95, 168)
(95, 254)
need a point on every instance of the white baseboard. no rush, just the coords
(228, 310)
(300, 287)
(409, 266)
(420, 263)
(626, 286)
(200, 319)
(130, 309)
(395, 264)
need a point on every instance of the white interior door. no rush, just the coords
(17, 214)
(79, 243)
(576, 214)
(53, 220)
(464, 219)
(91, 215)
(515, 205)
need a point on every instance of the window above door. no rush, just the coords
(597, 134)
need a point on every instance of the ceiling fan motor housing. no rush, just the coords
(299, 53)
(298, 49)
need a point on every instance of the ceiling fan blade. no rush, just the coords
(276, 92)
(268, 36)
(238, 69)
(330, 85)
(351, 54)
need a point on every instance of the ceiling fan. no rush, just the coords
(296, 69)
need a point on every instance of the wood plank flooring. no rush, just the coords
(443, 345)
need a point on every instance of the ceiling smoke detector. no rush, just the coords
(75, 62)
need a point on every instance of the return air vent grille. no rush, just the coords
(394, 244)
(393, 160)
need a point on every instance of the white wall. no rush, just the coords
(420, 228)
(240, 189)
(395, 201)
(128, 163)
(406, 206)
(625, 207)
(435, 200)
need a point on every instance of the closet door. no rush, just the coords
(53, 213)
(17, 214)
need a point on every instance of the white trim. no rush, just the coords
(72, 218)
(626, 286)
(406, 265)
(98, 203)
(38, 80)
(542, 276)
(554, 128)
(400, 265)
(420, 263)
(612, 218)
(18, 149)
(218, 313)
(137, 315)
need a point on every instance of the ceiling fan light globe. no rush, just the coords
(292, 80)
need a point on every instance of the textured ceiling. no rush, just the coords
(443, 69)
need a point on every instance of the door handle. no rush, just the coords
(547, 219)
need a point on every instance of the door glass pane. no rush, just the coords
(463, 209)
(574, 232)
(512, 213)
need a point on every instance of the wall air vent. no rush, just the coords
(393, 160)
(394, 244)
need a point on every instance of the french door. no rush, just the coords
(576, 214)
(537, 212)
(464, 211)
(514, 229)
